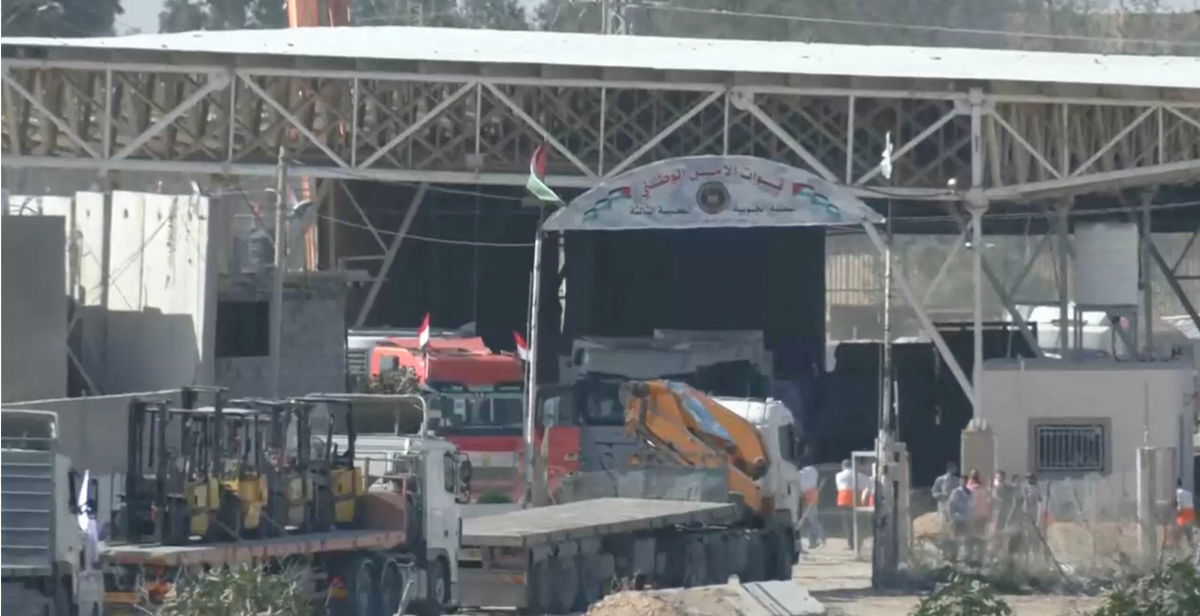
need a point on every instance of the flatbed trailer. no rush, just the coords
(251, 551)
(562, 558)
(353, 572)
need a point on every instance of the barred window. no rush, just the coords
(1070, 448)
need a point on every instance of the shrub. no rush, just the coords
(962, 596)
(240, 590)
(1171, 591)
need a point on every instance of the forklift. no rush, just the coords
(288, 468)
(172, 488)
(193, 472)
(337, 482)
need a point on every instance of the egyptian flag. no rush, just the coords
(522, 348)
(536, 184)
(423, 333)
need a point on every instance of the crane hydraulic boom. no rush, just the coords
(680, 425)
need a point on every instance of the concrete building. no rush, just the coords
(169, 297)
(313, 348)
(33, 317)
(1060, 419)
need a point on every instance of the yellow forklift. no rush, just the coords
(287, 453)
(172, 489)
(337, 482)
(194, 473)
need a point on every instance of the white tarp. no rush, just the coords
(712, 191)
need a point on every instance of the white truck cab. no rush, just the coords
(777, 427)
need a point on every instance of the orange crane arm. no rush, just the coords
(688, 428)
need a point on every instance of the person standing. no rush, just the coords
(810, 518)
(1185, 511)
(961, 506)
(943, 486)
(845, 482)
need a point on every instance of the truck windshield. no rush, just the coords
(482, 412)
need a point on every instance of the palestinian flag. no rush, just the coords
(536, 184)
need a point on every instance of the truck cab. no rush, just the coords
(776, 427)
(50, 550)
(722, 362)
(429, 471)
(479, 397)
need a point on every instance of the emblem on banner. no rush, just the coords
(712, 197)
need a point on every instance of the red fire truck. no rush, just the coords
(480, 394)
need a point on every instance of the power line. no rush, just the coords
(659, 6)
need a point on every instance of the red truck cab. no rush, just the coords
(480, 396)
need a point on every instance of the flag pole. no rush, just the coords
(535, 492)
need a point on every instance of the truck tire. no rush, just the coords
(565, 590)
(717, 553)
(539, 587)
(361, 594)
(437, 590)
(392, 581)
(756, 559)
(591, 584)
(782, 555)
(695, 564)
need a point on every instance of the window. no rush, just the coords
(1070, 447)
(243, 329)
(449, 474)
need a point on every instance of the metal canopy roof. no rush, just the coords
(489, 47)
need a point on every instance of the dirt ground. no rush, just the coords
(844, 586)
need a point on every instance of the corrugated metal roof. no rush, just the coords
(660, 53)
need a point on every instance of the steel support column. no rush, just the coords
(390, 256)
(922, 316)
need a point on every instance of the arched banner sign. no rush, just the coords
(712, 191)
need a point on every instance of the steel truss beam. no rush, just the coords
(476, 128)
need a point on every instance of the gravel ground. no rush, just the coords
(844, 585)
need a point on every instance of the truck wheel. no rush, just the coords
(695, 565)
(782, 550)
(391, 588)
(717, 553)
(437, 590)
(539, 587)
(566, 584)
(362, 588)
(756, 560)
(591, 588)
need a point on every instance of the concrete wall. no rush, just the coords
(1136, 398)
(33, 312)
(314, 336)
(161, 294)
(155, 326)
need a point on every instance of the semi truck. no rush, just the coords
(479, 396)
(565, 556)
(395, 552)
(49, 550)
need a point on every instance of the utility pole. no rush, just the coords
(279, 273)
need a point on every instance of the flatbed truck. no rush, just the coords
(353, 572)
(400, 554)
(562, 558)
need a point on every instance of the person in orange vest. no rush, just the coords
(845, 481)
(810, 519)
(1185, 511)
